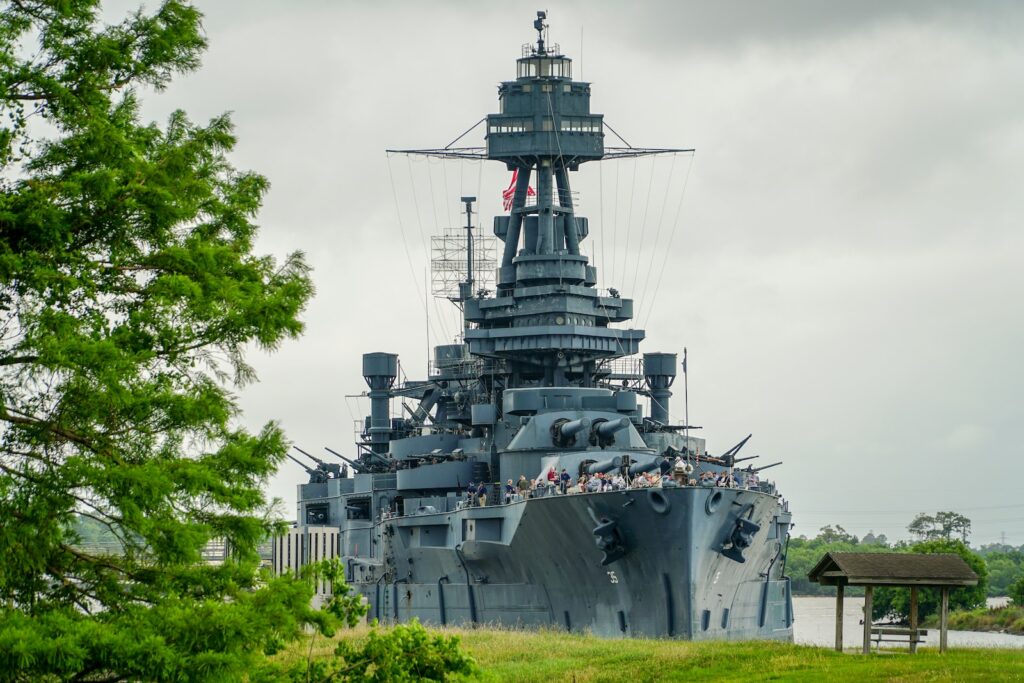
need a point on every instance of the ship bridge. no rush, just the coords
(547, 321)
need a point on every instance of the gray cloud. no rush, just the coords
(845, 270)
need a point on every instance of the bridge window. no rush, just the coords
(527, 68)
(510, 126)
(544, 68)
(579, 125)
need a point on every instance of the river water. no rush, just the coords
(815, 624)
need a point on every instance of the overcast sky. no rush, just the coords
(845, 270)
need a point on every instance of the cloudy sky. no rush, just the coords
(846, 268)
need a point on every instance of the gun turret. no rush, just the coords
(603, 432)
(563, 432)
(605, 466)
(641, 467)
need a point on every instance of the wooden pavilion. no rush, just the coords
(913, 570)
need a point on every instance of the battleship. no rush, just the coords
(663, 540)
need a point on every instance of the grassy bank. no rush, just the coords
(558, 656)
(1009, 619)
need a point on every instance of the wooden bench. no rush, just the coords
(896, 634)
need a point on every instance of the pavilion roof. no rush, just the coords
(893, 569)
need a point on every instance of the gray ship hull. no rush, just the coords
(535, 563)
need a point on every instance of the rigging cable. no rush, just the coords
(447, 192)
(600, 193)
(405, 241)
(672, 235)
(657, 234)
(643, 228)
(615, 225)
(423, 241)
(629, 219)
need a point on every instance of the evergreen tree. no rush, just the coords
(129, 291)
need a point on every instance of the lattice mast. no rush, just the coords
(461, 263)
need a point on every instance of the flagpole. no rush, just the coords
(686, 401)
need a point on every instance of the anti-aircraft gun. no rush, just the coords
(316, 476)
(368, 461)
(330, 470)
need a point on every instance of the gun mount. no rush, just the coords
(563, 432)
(316, 476)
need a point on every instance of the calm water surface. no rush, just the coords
(815, 624)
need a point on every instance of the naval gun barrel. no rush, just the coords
(764, 467)
(607, 429)
(334, 452)
(605, 466)
(301, 464)
(642, 467)
(315, 459)
(573, 427)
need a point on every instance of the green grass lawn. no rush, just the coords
(559, 656)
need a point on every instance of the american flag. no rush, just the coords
(510, 191)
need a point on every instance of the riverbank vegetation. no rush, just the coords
(504, 655)
(1008, 619)
(1004, 564)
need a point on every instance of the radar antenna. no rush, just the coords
(540, 26)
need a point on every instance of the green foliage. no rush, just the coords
(805, 553)
(342, 605)
(1005, 565)
(942, 525)
(129, 292)
(406, 652)
(894, 603)
(1016, 591)
(1009, 619)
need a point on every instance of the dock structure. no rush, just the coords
(901, 570)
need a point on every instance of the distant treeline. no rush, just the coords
(1005, 563)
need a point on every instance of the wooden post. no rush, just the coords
(913, 619)
(943, 618)
(839, 618)
(867, 619)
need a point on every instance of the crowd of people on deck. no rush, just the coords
(553, 482)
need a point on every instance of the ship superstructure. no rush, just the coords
(546, 378)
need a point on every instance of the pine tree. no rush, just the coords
(129, 291)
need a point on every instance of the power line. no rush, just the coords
(906, 512)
